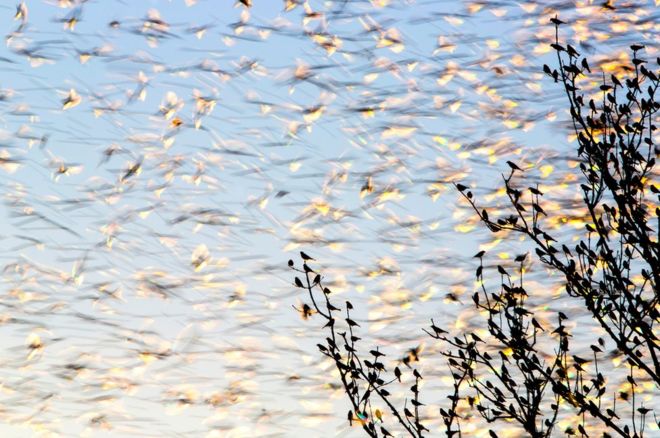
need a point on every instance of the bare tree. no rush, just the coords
(613, 273)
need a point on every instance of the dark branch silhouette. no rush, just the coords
(613, 273)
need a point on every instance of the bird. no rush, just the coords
(556, 21)
(513, 166)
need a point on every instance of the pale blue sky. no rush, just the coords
(272, 179)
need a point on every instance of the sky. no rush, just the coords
(161, 161)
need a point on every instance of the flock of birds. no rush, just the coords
(160, 162)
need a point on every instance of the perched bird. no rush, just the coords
(513, 166)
